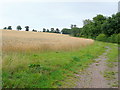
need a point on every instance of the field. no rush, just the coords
(39, 41)
(46, 60)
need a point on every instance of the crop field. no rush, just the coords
(32, 41)
(45, 60)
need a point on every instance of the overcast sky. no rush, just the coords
(46, 14)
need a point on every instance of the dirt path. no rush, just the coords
(93, 76)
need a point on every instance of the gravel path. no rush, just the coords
(93, 76)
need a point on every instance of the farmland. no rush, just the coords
(39, 41)
(46, 60)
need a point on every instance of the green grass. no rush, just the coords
(112, 55)
(109, 75)
(112, 62)
(47, 69)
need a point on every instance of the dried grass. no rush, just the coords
(38, 41)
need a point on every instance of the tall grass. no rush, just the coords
(38, 41)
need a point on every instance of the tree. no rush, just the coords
(75, 32)
(5, 28)
(34, 30)
(57, 30)
(88, 30)
(10, 27)
(44, 30)
(27, 28)
(19, 27)
(66, 31)
(92, 28)
(52, 30)
(99, 18)
(47, 30)
(87, 21)
(72, 26)
(112, 25)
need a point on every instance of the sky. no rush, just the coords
(38, 14)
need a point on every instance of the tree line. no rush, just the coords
(100, 28)
(18, 28)
(52, 30)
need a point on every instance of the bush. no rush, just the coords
(118, 38)
(101, 37)
(112, 38)
(115, 38)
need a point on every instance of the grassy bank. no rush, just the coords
(47, 69)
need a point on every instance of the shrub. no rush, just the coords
(115, 38)
(112, 38)
(101, 37)
(118, 38)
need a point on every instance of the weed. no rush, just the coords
(109, 75)
(75, 58)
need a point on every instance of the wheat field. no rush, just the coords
(40, 41)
